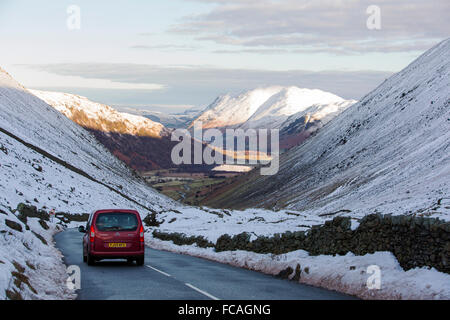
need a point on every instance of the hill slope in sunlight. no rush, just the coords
(141, 143)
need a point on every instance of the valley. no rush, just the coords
(145, 145)
(190, 188)
(367, 185)
(224, 158)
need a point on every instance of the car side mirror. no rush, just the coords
(82, 229)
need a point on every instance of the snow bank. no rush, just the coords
(29, 268)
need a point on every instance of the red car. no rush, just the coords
(113, 234)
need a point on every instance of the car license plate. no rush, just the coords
(117, 245)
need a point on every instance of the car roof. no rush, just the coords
(116, 211)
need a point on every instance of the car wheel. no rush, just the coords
(130, 260)
(90, 260)
(84, 258)
(140, 261)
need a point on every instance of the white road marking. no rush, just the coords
(187, 284)
(162, 272)
(201, 291)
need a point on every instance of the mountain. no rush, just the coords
(297, 112)
(266, 108)
(293, 101)
(97, 116)
(51, 162)
(228, 111)
(138, 141)
(387, 153)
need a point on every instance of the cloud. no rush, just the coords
(254, 51)
(147, 34)
(199, 85)
(349, 48)
(171, 47)
(95, 83)
(321, 25)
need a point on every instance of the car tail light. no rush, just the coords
(141, 234)
(92, 234)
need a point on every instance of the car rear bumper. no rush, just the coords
(116, 255)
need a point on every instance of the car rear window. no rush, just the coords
(116, 221)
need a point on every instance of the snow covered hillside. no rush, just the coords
(388, 153)
(98, 116)
(48, 160)
(269, 107)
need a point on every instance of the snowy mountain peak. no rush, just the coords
(265, 107)
(290, 101)
(228, 110)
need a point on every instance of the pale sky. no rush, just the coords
(180, 53)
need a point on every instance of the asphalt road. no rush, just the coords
(170, 276)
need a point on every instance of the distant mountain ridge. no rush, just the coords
(172, 120)
(141, 143)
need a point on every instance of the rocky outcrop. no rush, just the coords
(28, 211)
